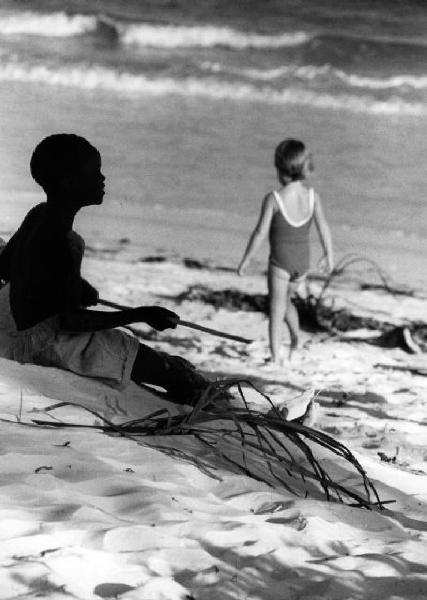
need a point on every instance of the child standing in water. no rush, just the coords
(286, 215)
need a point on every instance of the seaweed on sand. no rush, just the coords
(261, 445)
(317, 311)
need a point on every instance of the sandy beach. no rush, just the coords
(90, 515)
(186, 102)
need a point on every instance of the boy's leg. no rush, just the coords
(173, 373)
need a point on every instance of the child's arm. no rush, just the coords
(74, 294)
(259, 233)
(92, 320)
(74, 318)
(89, 296)
(324, 233)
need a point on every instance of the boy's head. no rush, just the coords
(66, 162)
(292, 161)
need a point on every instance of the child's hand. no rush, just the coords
(159, 318)
(325, 265)
(241, 269)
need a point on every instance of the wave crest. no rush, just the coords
(174, 36)
(60, 24)
(101, 78)
(313, 73)
(376, 83)
(57, 24)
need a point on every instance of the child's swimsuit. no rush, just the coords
(290, 241)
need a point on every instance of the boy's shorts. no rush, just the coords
(107, 355)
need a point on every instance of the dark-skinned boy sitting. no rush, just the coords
(44, 317)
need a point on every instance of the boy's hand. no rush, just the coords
(159, 318)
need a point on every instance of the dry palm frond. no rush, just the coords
(349, 260)
(261, 445)
(318, 311)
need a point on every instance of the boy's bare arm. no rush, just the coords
(92, 320)
(74, 318)
(324, 233)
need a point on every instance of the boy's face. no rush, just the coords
(88, 183)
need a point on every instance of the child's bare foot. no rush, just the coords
(293, 346)
(270, 363)
(276, 361)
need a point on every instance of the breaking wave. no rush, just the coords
(60, 24)
(57, 24)
(376, 83)
(312, 72)
(101, 78)
(174, 36)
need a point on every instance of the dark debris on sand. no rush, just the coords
(316, 315)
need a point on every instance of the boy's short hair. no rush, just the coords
(57, 155)
(292, 160)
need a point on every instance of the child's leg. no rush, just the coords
(173, 373)
(278, 283)
(292, 321)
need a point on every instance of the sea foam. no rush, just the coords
(57, 24)
(173, 36)
(60, 24)
(102, 78)
(322, 72)
(377, 83)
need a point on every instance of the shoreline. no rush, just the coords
(191, 217)
(401, 258)
(188, 211)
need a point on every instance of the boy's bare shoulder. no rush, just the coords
(33, 221)
(39, 241)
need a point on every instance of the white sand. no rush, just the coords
(87, 515)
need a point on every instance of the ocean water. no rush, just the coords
(187, 100)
